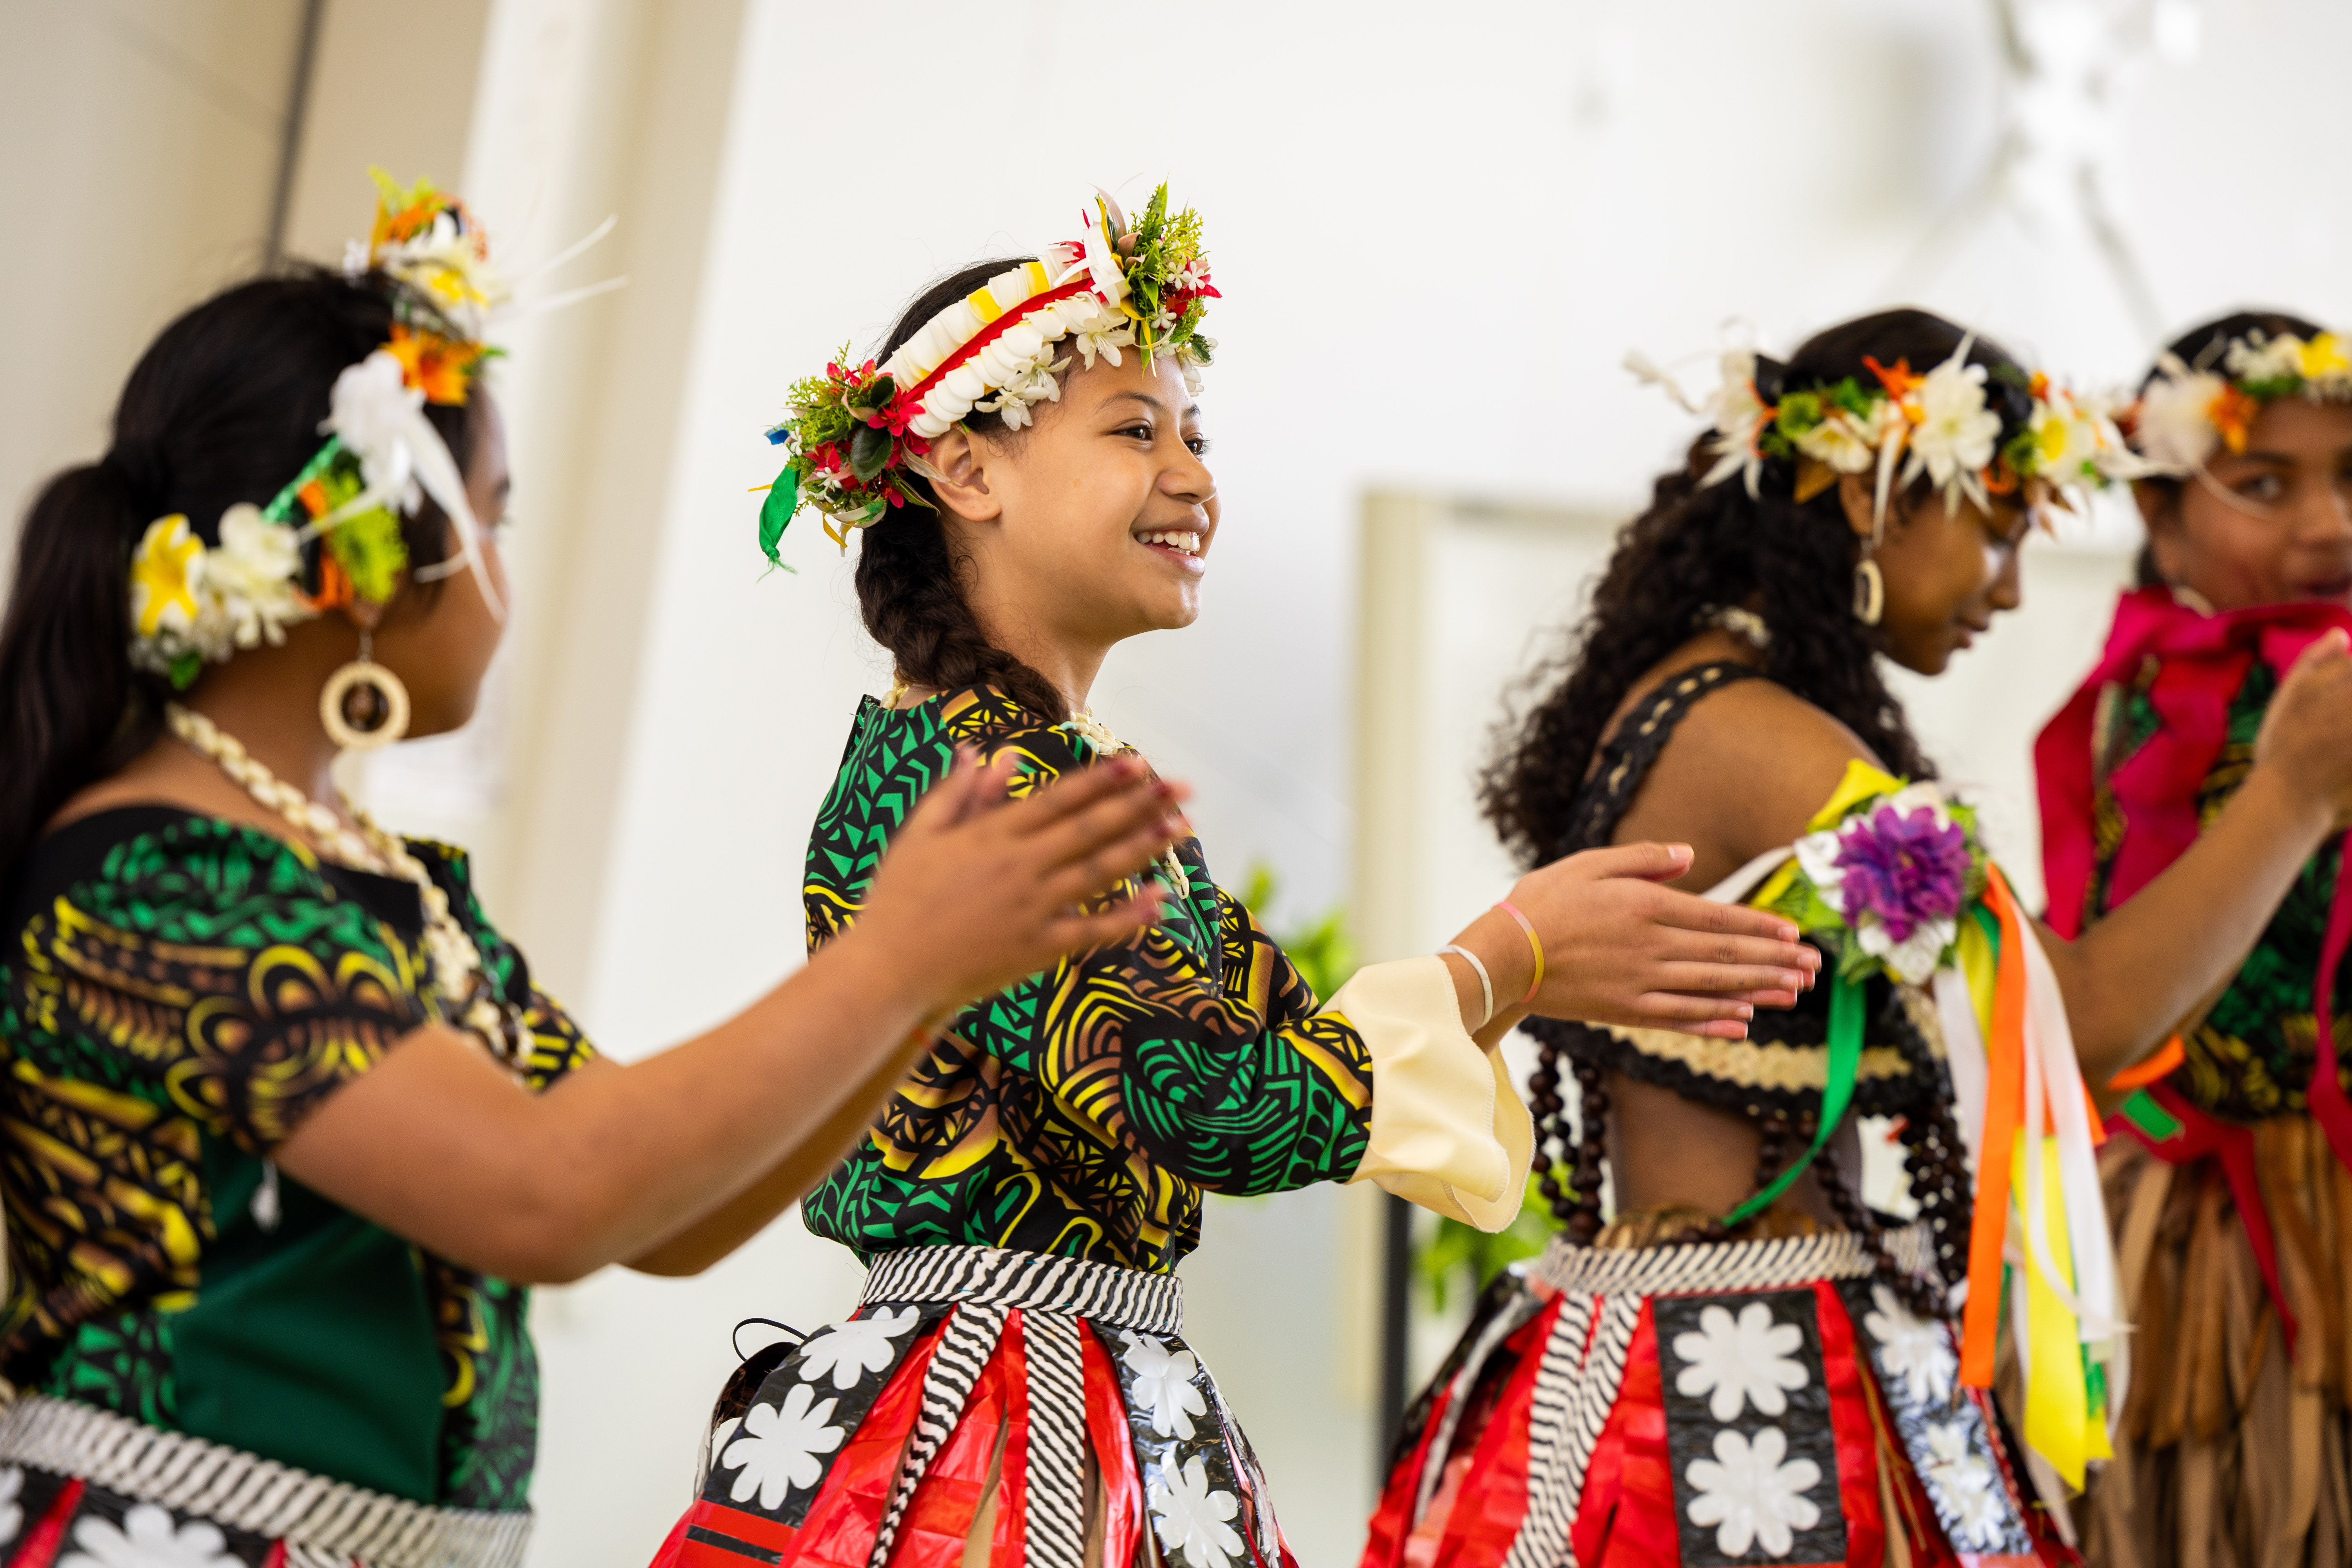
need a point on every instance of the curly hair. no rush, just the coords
(911, 575)
(1698, 546)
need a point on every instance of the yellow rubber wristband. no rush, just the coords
(1534, 941)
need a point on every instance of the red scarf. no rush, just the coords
(2200, 661)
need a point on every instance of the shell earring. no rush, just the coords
(363, 704)
(1869, 591)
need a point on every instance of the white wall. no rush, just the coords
(1438, 230)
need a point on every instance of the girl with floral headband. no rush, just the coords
(1024, 464)
(1743, 1363)
(2231, 1176)
(289, 1128)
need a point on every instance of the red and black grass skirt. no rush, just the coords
(1054, 1395)
(1699, 1404)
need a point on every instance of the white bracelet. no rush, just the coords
(1485, 982)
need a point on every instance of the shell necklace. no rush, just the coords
(467, 997)
(1095, 732)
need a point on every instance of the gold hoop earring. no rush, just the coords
(363, 706)
(1869, 591)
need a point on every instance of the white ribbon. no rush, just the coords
(381, 420)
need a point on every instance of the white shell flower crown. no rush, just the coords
(853, 434)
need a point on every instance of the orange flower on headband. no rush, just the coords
(1897, 378)
(404, 212)
(2232, 413)
(442, 368)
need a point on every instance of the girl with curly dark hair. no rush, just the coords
(1744, 1353)
(2233, 1176)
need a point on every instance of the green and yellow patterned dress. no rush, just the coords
(1016, 1370)
(180, 993)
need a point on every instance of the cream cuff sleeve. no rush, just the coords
(1449, 1131)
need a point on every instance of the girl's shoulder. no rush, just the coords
(153, 858)
(987, 719)
(1737, 767)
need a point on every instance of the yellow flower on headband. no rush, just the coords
(163, 573)
(2324, 356)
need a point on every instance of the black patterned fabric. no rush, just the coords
(180, 993)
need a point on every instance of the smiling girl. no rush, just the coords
(288, 1129)
(2232, 1188)
(1026, 464)
(1743, 1357)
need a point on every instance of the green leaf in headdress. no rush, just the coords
(869, 451)
(783, 500)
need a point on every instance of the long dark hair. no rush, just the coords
(1792, 561)
(2201, 348)
(1700, 545)
(909, 575)
(223, 407)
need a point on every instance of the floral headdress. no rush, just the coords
(2187, 412)
(332, 535)
(853, 433)
(1943, 423)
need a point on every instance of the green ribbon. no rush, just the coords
(1845, 1066)
(281, 505)
(2143, 1112)
(783, 500)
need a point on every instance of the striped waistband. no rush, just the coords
(1673, 1268)
(1102, 1292)
(243, 1492)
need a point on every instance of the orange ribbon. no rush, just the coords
(2004, 1110)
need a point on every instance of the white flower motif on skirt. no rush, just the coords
(860, 1345)
(12, 1510)
(1192, 1520)
(1164, 1380)
(1967, 1482)
(1749, 1360)
(147, 1539)
(1750, 1496)
(1912, 1348)
(777, 1447)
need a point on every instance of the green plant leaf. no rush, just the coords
(869, 451)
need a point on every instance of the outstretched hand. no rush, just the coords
(2306, 734)
(1620, 949)
(974, 892)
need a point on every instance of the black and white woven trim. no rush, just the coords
(1769, 1265)
(1099, 1292)
(237, 1489)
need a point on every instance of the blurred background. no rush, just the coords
(1437, 230)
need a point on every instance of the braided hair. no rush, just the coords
(1697, 546)
(911, 575)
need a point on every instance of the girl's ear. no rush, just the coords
(960, 480)
(1856, 495)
